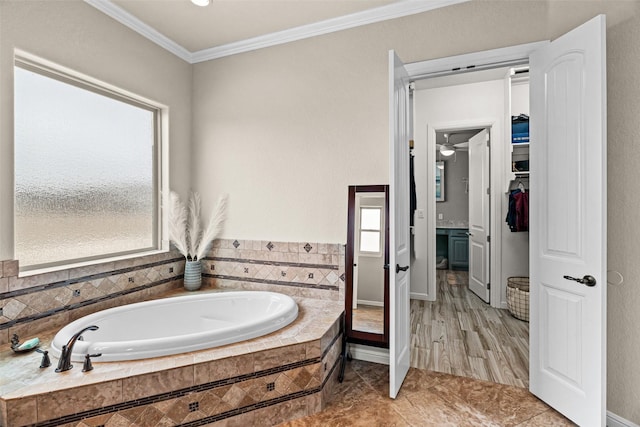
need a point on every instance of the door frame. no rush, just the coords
(469, 62)
(512, 56)
(496, 158)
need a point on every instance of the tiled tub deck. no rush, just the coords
(284, 375)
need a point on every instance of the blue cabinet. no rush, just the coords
(454, 244)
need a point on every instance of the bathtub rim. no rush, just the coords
(82, 346)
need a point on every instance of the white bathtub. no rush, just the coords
(177, 325)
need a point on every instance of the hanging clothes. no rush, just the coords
(518, 212)
(522, 211)
(511, 211)
(413, 201)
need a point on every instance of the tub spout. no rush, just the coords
(64, 364)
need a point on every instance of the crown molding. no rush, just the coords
(383, 13)
(128, 20)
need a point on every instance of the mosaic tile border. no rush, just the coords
(274, 263)
(85, 303)
(264, 404)
(210, 386)
(88, 278)
(64, 307)
(272, 282)
(314, 276)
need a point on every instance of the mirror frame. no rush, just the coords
(360, 337)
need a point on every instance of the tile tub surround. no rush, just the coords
(305, 269)
(278, 377)
(33, 304)
(36, 303)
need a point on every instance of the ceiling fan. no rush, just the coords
(449, 148)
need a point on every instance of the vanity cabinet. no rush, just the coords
(458, 250)
(454, 244)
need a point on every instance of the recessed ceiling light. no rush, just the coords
(201, 2)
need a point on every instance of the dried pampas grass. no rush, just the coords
(214, 228)
(185, 230)
(193, 223)
(178, 224)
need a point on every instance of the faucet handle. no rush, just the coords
(46, 362)
(87, 366)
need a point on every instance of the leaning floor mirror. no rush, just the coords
(367, 259)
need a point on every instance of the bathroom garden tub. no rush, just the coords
(177, 325)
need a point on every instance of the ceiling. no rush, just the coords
(456, 136)
(226, 21)
(228, 27)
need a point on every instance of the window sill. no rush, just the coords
(83, 264)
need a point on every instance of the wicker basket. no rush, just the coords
(518, 297)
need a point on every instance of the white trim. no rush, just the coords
(419, 295)
(128, 20)
(371, 303)
(475, 61)
(487, 59)
(369, 354)
(60, 73)
(383, 13)
(495, 198)
(614, 420)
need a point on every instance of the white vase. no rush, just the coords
(192, 275)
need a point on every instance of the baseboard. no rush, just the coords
(614, 420)
(371, 303)
(419, 295)
(369, 354)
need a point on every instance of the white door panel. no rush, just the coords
(568, 224)
(479, 215)
(399, 328)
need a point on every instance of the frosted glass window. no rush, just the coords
(370, 223)
(85, 171)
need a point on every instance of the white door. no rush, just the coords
(479, 215)
(399, 327)
(568, 216)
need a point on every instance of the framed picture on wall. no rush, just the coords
(439, 181)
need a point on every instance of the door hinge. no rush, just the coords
(489, 191)
(488, 238)
(488, 286)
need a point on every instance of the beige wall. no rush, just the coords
(76, 35)
(623, 86)
(284, 130)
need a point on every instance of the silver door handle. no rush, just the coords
(468, 234)
(586, 280)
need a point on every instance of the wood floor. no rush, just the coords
(459, 334)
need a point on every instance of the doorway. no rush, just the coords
(568, 92)
(475, 334)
